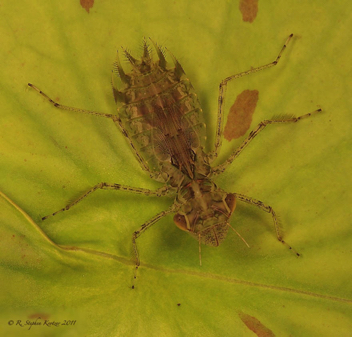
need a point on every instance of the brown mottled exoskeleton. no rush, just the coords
(160, 116)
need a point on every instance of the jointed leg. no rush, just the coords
(267, 209)
(141, 230)
(222, 167)
(64, 107)
(105, 186)
(142, 162)
(221, 100)
(115, 118)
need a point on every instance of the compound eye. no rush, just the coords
(231, 202)
(181, 222)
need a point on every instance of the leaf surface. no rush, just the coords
(50, 157)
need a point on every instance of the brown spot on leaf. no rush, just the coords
(39, 315)
(255, 325)
(249, 10)
(240, 116)
(87, 4)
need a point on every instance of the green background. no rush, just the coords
(49, 157)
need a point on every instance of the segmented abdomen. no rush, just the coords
(161, 113)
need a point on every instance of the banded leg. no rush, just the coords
(105, 186)
(267, 209)
(221, 99)
(280, 120)
(115, 119)
(140, 159)
(141, 230)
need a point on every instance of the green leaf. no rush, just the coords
(77, 265)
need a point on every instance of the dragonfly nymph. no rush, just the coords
(161, 117)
